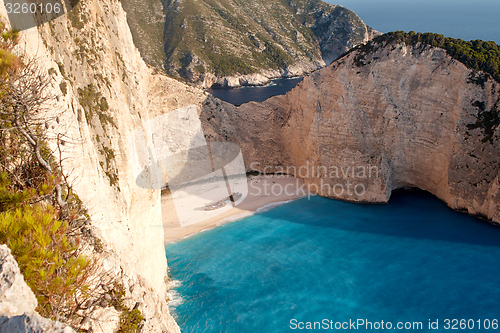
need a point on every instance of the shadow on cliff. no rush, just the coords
(198, 162)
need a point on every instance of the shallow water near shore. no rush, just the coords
(409, 261)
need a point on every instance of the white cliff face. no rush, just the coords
(405, 114)
(18, 303)
(32, 322)
(16, 297)
(106, 91)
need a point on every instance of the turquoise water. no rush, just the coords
(409, 261)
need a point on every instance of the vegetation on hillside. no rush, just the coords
(226, 64)
(275, 56)
(477, 54)
(231, 37)
(146, 20)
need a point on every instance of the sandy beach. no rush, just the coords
(262, 190)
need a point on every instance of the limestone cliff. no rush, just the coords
(18, 303)
(105, 92)
(398, 116)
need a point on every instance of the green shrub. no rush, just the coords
(277, 58)
(95, 104)
(130, 321)
(200, 69)
(61, 68)
(227, 64)
(8, 199)
(39, 242)
(64, 87)
(8, 61)
(77, 18)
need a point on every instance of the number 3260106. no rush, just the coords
(33, 8)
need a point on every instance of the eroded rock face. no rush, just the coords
(32, 322)
(18, 303)
(16, 298)
(404, 114)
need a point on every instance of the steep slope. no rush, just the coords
(105, 92)
(415, 115)
(206, 41)
(146, 21)
(386, 116)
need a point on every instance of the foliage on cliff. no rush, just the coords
(95, 105)
(39, 214)
(131, 320)
(230, 37)
(42, 220)
(46, 256)
(477, 54)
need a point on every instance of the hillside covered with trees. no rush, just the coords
(476, 54)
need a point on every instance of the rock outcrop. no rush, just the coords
(18, 303)
(400, 116)
(15, 296)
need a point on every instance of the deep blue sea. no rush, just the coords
(465, 19)
(242, 95)
(409, 261)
